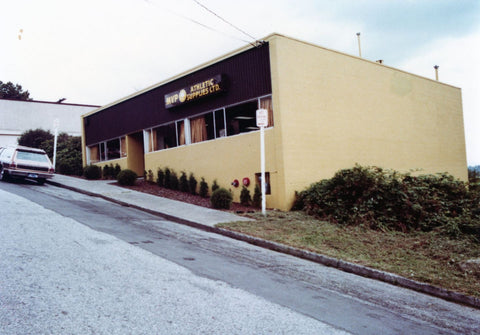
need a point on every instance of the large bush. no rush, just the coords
(221, 198)
(385, 199)
(127, 177)
(92, 172)
(35, 137)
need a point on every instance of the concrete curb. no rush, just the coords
(314, 257)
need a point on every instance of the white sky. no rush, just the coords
(97, 51)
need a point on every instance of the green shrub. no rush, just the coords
(192, 184)
(92, 172)
(150, 176)
(203, 188)
(174, 183)
(116, 171)
(107, 171)
(215, 186)
(388, 200)
(160, 177)
(183, 186)
(245, 198)
(127, 177)
(106, 174)
(221, 198)
(257, 197)
(168, 177)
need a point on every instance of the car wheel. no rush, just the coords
(41, 181)
(3, 175)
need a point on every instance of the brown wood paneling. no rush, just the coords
(247, 76)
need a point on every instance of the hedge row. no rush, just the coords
(389, 200)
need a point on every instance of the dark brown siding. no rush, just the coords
(247, 76)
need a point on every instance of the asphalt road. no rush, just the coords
(345, 301)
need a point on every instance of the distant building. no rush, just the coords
(18, 116)
(327, 111)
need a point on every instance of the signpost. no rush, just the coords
(56, 123)
(262, 122)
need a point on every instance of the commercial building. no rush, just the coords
(327, 111)
(18, 116)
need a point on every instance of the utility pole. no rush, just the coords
(359, 47)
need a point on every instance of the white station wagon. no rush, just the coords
(25, 162)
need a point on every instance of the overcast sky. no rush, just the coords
(97, 51)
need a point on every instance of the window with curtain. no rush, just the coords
(123, 147)
(94, 154)
(181, 132)
(202, 128)
(198, 129)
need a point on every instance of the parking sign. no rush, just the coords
(262, 118)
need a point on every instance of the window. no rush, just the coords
(202, 128)
(165, 137)
(113, 149)
(266, 103)
(241, 118)
(181, 140)
(94, 154)
(103, 152)
(220, 123)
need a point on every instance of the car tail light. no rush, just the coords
(51, 170)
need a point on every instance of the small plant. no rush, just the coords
(116, 171)
(174, 183)
(150, 176)
(192, 184)
(221, 198)
(245, 198)
(168, 177)
(160, 177)
(127, 177)
(106, 174)
(92, 172)
(257, 197)
(215, 186)
(184, 182)
(203, 188)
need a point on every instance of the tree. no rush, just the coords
(34, 138)
(69, 154)
(13, 91)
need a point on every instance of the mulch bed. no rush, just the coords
(146, 187)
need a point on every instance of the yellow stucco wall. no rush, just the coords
(135, 160)
(225, 160)
(334, 110)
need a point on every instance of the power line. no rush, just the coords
(199, 23)
(221, 18)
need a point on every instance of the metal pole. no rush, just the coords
(436, 72)
(262, 167)
(359, 47)
(55, 126)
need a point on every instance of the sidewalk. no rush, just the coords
(206, 219)
(171, 209)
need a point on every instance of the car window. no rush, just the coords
(7, 153)
(32, 156)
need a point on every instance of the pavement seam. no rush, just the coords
(304, 254)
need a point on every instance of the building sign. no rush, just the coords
(194, 92)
